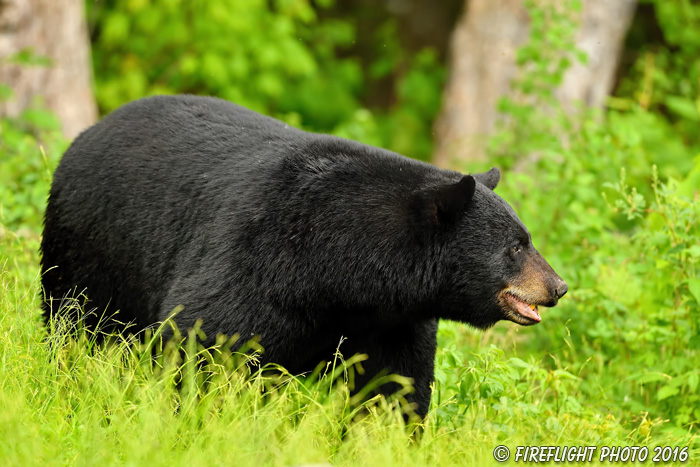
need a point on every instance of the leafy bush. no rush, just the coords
(665, 73)
(661, 299)
(626, 242)
(278, 58)
(29, 150)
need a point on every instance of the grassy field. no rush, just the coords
(614, 365)
(75, 403)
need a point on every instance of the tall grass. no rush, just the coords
(65, 399)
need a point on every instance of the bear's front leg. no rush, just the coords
(406, 350)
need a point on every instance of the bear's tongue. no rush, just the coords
(522, 308)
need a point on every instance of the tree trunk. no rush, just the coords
(54, 29)
(482, 60)
(602, 35)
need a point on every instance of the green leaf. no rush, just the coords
(693, 379)
(652, 377)
(666, 392)
(565, 374)
(42, 119)
(116, 29)
(515, 361)
(683, 107)
(28, 57)
(694, 342)
(694, 288)
(694, 251)
(676, 249)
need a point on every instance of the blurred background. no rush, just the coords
(589, 107)
(415, 76)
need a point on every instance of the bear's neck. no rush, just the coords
(345, 233)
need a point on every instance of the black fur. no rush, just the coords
(261, 229)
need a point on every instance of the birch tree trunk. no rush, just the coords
(55, 29)
(482, 65)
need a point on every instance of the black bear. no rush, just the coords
(261, 229)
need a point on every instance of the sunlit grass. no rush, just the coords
(69, 400)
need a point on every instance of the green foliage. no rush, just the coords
(28, 57)
(552, 30)
(625, 241)
(279, 58)
(665, 77)
(29, 150)
(662, 332)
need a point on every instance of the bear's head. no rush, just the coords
(492, 270)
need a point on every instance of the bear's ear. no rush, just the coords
(450, 200)
(490, 178)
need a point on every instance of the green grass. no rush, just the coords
(66, 401)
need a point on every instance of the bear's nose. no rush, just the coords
(561, 289)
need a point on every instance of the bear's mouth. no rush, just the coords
(519, 310)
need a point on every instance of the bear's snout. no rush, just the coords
(561, 288)
(536, 284)
(557, 288)
(544, 281)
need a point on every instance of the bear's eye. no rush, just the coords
(517, 248)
